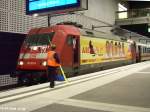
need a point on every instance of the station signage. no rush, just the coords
(46, 6)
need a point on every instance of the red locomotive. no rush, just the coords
(80, 51)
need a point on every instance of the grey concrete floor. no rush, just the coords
(133, 90)
(64, 108)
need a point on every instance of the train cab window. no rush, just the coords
(45, 39)
(31, 40)
(39, 39)
(70, 40)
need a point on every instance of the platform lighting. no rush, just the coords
(139, 0)
(148, 29)
(123, 13)
(121, 7)
(35, 15)
(130, 41)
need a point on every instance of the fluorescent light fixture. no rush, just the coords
(122, 15)
(138, 0)
(121, 7)
(149, 29)
(35, 15)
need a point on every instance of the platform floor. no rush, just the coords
(124, 91)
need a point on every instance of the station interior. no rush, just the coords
(104, 51)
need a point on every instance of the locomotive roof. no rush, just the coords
(99, 34)
(91, 33)
(74, 30)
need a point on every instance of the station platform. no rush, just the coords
(122, 89)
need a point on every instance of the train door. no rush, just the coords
(133, 50)
(75, 53)
(138, 58)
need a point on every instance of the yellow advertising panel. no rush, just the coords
(97, 50)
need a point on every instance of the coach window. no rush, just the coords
(148, 50)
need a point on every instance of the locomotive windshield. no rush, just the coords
(39, 39)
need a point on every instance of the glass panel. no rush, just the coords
(40, 39)
(70, 40)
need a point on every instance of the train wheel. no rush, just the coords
(25, 81)
(43, 79)
(20, 82)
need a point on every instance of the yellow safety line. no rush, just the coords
(66, 80)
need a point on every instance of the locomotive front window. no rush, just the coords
(44, 39)
(40, 39)
(31, 40)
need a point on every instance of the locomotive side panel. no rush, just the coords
(64, 50)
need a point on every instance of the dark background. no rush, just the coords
(138, 28)
(10, 44)
(138, 4)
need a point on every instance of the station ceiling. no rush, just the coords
(138, 4)
(135, 4)
(142, 29)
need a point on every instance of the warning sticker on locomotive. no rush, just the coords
(97, 50)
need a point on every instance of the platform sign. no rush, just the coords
(49, 6)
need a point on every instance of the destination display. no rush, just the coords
(36, 6)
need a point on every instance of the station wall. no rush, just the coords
(10, 44)
(103, 10)
(99, 13)
(13, 16)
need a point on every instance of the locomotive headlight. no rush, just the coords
(20, 63)
(35, 48)
(44, 63)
